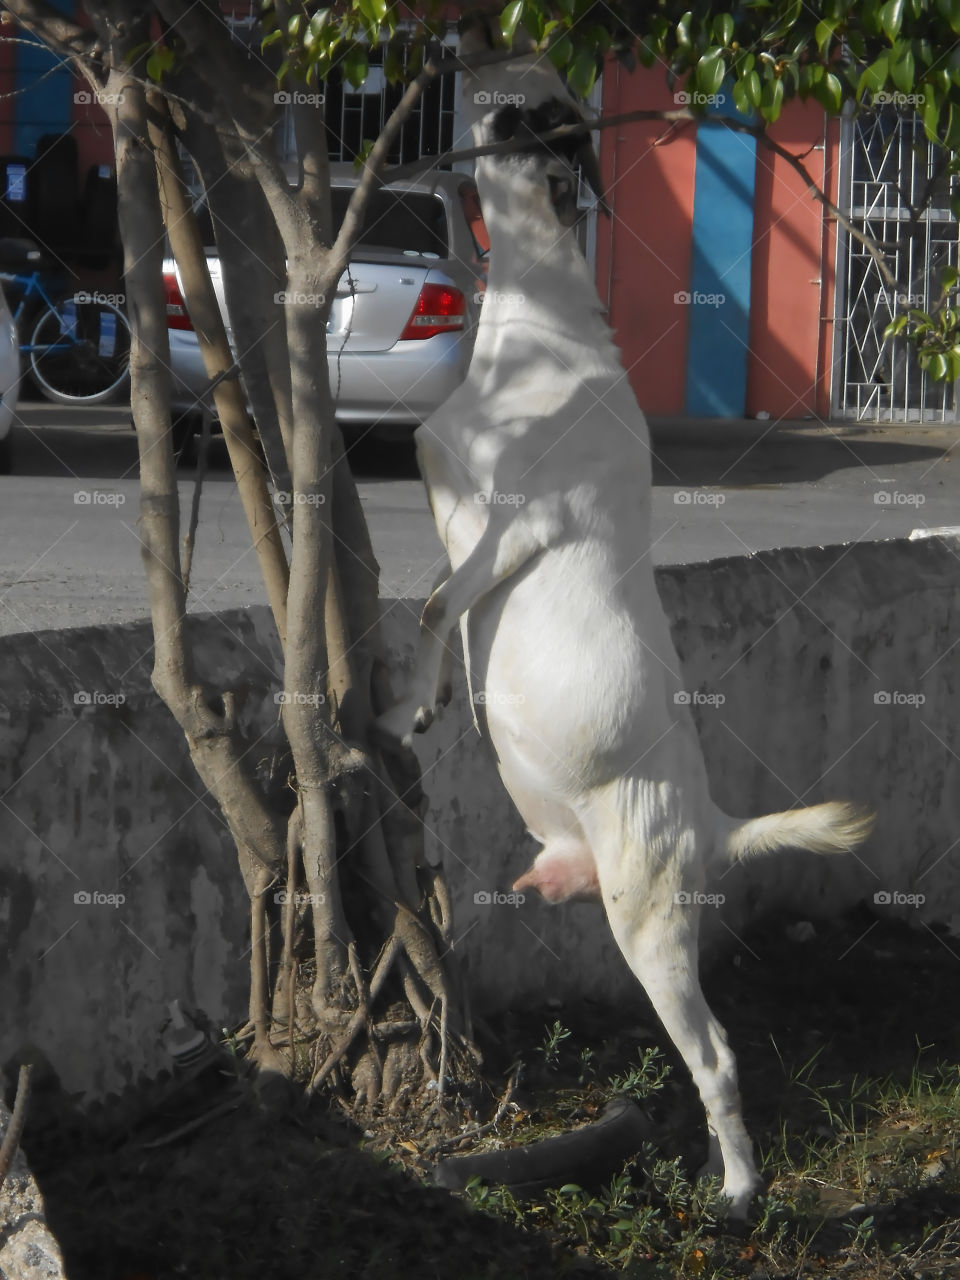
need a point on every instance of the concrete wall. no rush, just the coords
(837, 677)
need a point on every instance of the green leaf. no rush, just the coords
(830, 92)
(948, 278)
(938, 367)
(741, 98)
(355, 65)
(902, 70)
(896, 326)
(823, 32)
(891, 16)
(159, 62)
(771, 100)
(723, 28)
(754, 88)
(561, 51)
(683, 30)
(510, 18)
(711, 70)
(874, 77)
(582, 72)
(930, 114)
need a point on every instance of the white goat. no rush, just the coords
(538, 473)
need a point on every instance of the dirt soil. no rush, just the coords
(270, 1190)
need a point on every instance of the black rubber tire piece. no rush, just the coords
(587, 1156)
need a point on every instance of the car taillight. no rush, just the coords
(177, 314)
(439, 309)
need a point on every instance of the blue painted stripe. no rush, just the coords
(44, 102)
(719, 329)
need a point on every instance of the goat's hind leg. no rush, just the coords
(662, 952)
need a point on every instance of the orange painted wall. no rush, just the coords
(787, 272)
(643, 254)
(643, 250)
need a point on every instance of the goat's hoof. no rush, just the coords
(423, 719)
(740, 1200)
(397, 726)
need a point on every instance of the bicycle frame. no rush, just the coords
(32, 287)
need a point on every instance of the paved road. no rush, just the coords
(71, 554)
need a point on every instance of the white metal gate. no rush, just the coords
(887, 172)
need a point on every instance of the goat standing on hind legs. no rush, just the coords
(538, 473)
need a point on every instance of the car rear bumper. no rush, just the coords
(399, 387)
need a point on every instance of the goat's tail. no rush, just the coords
(836, 827)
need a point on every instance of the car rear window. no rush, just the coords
(402, 220)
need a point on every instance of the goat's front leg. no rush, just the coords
(499, 554)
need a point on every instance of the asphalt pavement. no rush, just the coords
(71, 550)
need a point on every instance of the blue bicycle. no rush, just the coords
(77, 344)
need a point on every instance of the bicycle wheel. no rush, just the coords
(81, 351)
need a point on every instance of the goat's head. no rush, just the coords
(519, 101)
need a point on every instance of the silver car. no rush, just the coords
(401, 330)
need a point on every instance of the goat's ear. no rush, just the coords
(563, 197)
